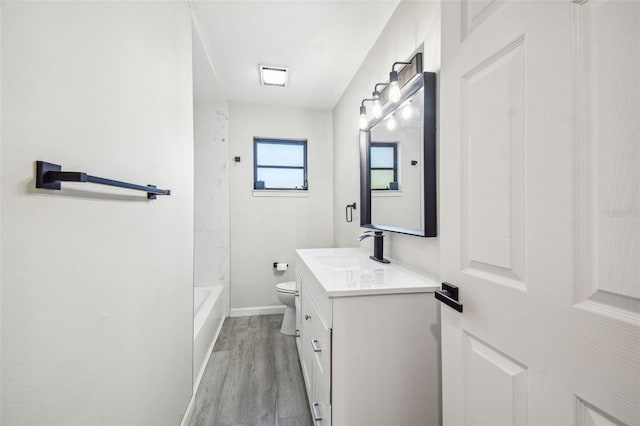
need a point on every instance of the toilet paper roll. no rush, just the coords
(280, 266)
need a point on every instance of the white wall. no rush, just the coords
(211, 162)
(412, 24)
(269, 229)
(96, 283)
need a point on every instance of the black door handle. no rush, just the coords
(449, 296)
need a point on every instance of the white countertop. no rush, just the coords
(350, 272)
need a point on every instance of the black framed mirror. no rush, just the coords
(398, 163)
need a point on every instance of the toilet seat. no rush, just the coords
(288, 287)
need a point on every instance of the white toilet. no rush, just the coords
(286, 293)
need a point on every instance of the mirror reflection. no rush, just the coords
(396, 166)
(398, 163)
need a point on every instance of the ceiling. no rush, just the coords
(322, 43)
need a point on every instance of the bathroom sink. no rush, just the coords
(345, 263)
(350, 272)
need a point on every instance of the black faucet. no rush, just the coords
(377, 245)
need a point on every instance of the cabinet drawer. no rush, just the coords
(317, 294)
(321, 347)
(320, 407)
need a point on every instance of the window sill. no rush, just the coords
(390, 193)
(280, 193)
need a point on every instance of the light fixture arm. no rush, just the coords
(375, 88)
(366, 100)
(399, 63)
(363, 109)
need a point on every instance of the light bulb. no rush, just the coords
(363, 117)
(394, 91)
(407, 111)
(394, 88)
(377, 109)
(391, 123)
(363, 121)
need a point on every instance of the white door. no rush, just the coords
(540, 212)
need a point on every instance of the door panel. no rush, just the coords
(588, 415)
(492, 153)
(608, 158)
(495, 386)
(540, 202)
(475, 12)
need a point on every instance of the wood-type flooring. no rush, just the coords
(253, 378)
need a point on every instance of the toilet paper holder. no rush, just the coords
(283, 266)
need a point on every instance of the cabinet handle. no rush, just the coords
(307, 317)
(314, 410)
(314, 345)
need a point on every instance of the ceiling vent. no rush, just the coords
(273, 76)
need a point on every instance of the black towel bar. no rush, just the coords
(49, 176)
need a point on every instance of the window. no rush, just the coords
(279, 164)
(384, 165)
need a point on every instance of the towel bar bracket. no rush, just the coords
(151, 195)
(42, 169)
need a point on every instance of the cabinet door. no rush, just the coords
(306, 331)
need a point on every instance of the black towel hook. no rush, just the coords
(348, 212)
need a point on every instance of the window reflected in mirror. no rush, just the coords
(384, 166)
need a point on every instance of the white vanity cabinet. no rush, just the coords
(369, 350)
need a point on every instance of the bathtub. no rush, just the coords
(208, 315)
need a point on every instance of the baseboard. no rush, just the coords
(257, 310)
(186, 418)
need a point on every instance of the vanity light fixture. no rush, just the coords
(273, 76)
(394, 87)
(377, 107)
(391, 93)
(363, 114)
